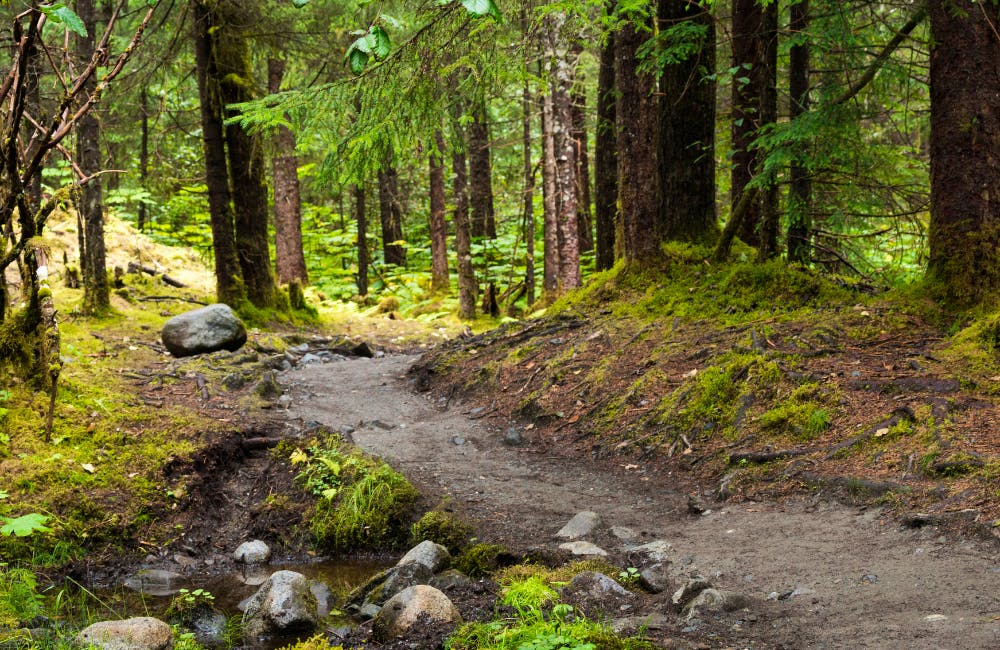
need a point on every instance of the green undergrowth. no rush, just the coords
(442, 527)
(540, 621)
(361, 502)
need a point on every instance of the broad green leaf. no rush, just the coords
(298, 4)
(25, 525)
(482, 8)
(363, 44)
(299, 456)
(382, 45)
(357, 60)
(63, 15)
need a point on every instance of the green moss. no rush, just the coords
(444, 528)
(480, 560)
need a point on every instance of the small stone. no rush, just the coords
(583, 548)
(869, 578)
(582, 524)
(309, 358)
(155, 582)
(513, 438)
(252, 552)
(935, 618)
(691, 588)
(458, 441)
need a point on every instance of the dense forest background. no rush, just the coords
(486, 157)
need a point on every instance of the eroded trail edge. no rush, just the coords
(820, 574)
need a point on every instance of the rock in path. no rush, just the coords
(142, 633)
(581, 525)
(433, 556)
(208, 329)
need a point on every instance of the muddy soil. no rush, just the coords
(822, 574)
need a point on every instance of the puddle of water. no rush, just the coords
(228, 591)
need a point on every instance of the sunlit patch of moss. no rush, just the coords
(481, 560)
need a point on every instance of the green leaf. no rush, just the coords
(25, 525)
(382, 45)
(63, 15)
(357, 60)
(363, 44)
(482, 8)
(298, 4)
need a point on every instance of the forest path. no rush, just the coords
(862, 581)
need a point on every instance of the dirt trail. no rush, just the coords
(862, 581)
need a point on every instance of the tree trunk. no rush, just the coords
(390, 213)
(246, 165)
(638, 233)
(965, 150)
(567, 187)
(550, 215)
(143, 154)
(93, 267)
(481, 173)
(800, 187)
(528, 196)
(754, 44)
(438, 223)
(289, 259)
(361, 219)
(578, 108)
(687, 131)
(228, 277)
(606, 159)
(463, 234)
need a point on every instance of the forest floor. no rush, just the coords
(842, 445)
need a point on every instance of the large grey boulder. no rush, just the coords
(386, 584)
(208, 329)
(252, 552)
(283, 604)
(142, 633)
(417, 605)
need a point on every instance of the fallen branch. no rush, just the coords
(765, 456)
(169, 298)
(134, 267)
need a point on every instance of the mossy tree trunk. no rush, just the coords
(246, 156)
(361, 220)
(228, 276)
(965, 150)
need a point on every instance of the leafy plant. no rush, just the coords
(25, 525)
(19, 602)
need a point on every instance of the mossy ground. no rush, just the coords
(677, 370)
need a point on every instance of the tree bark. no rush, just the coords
(390, 213)
(361, 219)
(638, 232)
(528, 196)
(438, 223)
(550, 214)
(228, 277)
(687, 131)
(481, 173)
(246, 163)
(463, 234)
(578, 108)
(143, 154)
(754, 44)
(567, 187)
(289, 259)
(93, 265)
(800, 186)
(606, 159)
(965, 150)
